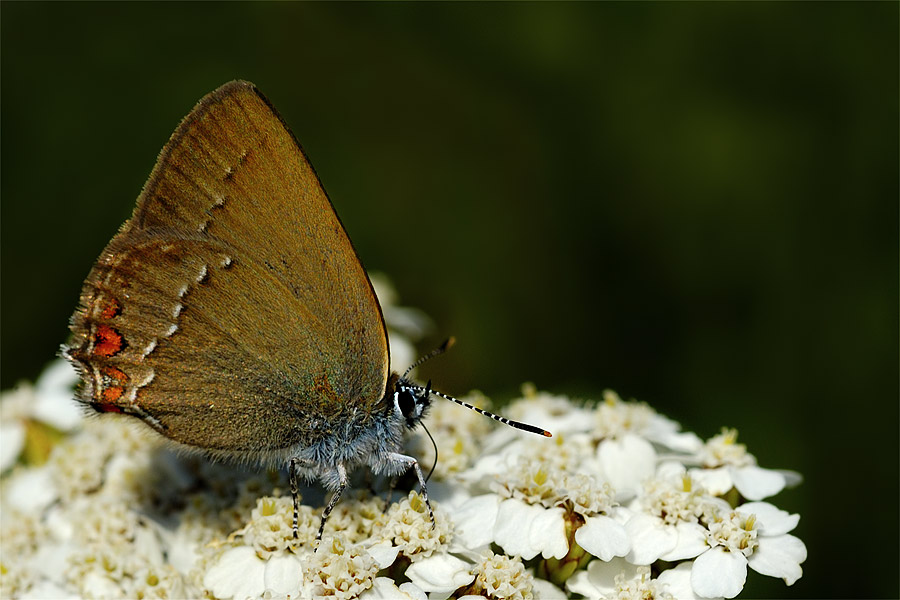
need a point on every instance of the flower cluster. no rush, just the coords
(620, 503)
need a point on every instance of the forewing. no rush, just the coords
(232, 308)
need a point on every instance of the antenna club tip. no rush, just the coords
(548, 434)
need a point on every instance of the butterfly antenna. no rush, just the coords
(433, 443)
(504, 420)
(439, 350)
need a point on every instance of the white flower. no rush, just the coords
(384, 588)
(338, 569)
(628, 435)
(408, 527)
(621, 580)
(614, 418)
(666, 518)
(475, 521)
(527, 530)
(544, 590)
(557, 414)
(440, 574)
(53, 391)
(241, 573)
(727, 464)
(271, 527)
(754, 535)
(498, 576)
(626, 462)
(49, 401)
(540, 500)
(113, 513)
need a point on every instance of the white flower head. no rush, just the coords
(407, 525)
(665, 523)
(500, 576)
(557, 414)
(727, 464)
(356, 518)
(614, 418)
(104, 457)
(238, 572)
(754, 535)
(384, 588)
(339, 569)
(543, 510)
(115, 513)
(619, 580)
(271, 528)
(723, 449)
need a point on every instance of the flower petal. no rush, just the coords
(691, 542)
(238, 573)
(756, 483)
(474, 521)
(650, 539)
(441, 573)
(627, 462)
(544, 590)
(603, 537)
(53, 390)
(677, 582)
(772, 520)
(514, 519)
(599, 579)
(12, 441)
(384, 553)
(548, 533)
(779, 556)
(284, 575)
(791, 478)
(716, 481)
(31, 490)
(718, 572)
(525, 530)
(580, 583)
(384, 588)
(413, 591)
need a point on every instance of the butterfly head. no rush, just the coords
(411, 401)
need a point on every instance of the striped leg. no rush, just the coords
(409, 461)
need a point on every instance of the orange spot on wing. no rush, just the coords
(111, 394)
(115, 373)
(107, 341)
(111, 309)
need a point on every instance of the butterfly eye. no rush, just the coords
(406, 403)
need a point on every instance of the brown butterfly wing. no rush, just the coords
(232, 312)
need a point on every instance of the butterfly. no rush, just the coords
(232, 315)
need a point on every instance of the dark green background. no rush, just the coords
(694, 204)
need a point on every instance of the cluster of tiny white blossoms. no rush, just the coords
(618, 504)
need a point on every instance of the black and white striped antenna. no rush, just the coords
(437, 351)
(426, 391)
(504, 420)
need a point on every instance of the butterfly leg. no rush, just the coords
(342, 474)
(409, 461)
(295, 492)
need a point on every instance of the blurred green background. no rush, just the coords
(694, 204)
